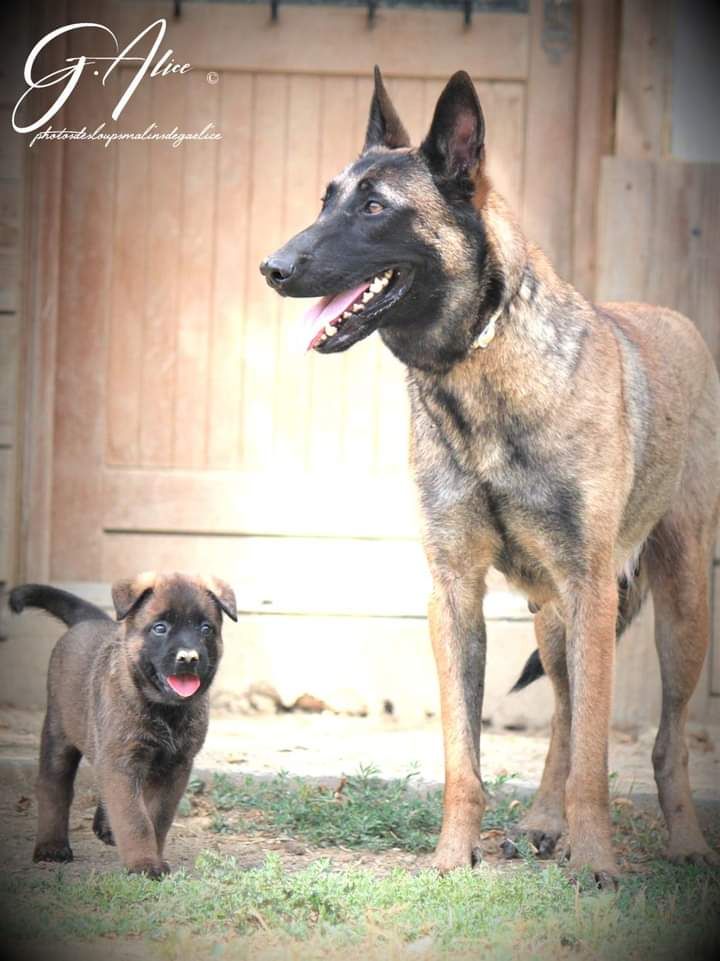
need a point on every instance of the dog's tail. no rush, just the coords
(67, 607)
(632, 591)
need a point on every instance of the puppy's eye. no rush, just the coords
(373, 207)
(206, 629)
(160, 628)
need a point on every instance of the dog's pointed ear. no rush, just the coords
(454, 146)
(223, 594)
(128, 593)
(384, 127)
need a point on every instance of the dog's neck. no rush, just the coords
(526, 348)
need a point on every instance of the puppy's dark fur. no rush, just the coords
(109, 698)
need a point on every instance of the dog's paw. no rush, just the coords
(150, 868)
(101, 826)
(704, 858)
(51, 851)
(541, 842)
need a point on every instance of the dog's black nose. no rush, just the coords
(185, 656)
(277, 270)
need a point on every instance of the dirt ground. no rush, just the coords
(321, 747)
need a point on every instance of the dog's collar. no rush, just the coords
(487, 334)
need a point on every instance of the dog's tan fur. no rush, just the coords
(102, 704)
(572, 446)
(576, 384)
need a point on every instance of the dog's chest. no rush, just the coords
(493, 477)
(166, 741)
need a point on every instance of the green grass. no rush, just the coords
(366, 812)
(524, 912)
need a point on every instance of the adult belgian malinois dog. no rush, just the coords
(571, 446)
(132, 696)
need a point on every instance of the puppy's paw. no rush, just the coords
(101, 826)
(52, 851)
(149, 867)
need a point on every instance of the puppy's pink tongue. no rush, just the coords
(184, 684)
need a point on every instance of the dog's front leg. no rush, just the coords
(457, 630)
(131, 825)
(591, 613)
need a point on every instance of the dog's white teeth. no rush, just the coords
(368, 295)
(356, 308)
(388, 274)
(375, 287)
(384, 282)
(346, 315)
(330, 330)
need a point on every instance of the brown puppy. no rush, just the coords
(133, 698)
(570, 445)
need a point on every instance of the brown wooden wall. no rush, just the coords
(166, 422)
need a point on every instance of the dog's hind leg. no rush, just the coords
(545, 821)
(162, 798)
(101, 825)
(58, 765)
(678, 568)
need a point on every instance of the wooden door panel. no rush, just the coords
(181, 407)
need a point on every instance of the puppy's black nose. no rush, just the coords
(277, 270)
(187, 657)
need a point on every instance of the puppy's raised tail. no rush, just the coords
(67, 607)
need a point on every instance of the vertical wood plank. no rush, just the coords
(597, 79)
(197, 251)
(550, 147)
(162, 304)
(79, 413)
(131, 212)
(643, 114)
(301, 205)
(42, 278)
(230, 271)
(269, 173)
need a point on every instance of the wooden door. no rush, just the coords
(186, 434)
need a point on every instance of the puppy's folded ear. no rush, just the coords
(127, 594)
(223, 594)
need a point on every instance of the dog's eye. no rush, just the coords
(160, 628)
(373, 207)
(206, 629)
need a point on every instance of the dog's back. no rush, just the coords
(73, 659)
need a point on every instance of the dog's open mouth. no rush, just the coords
(337, 321)
(184, 685)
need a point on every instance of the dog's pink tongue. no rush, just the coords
(325, 310)
(184, 684)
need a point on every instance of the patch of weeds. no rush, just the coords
(362, 811)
